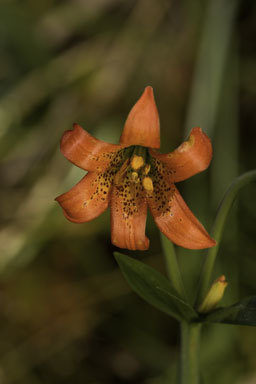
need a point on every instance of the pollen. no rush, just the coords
(137, 162)
(147, 184)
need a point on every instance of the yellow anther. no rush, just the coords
(137, 162)
(135, 176)
(146, 169)
(147, 184)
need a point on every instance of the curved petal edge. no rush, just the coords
(86, 200)
(191, 157)
(178, 223)
(87, 152)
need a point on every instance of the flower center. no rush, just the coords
(139, 169)
(133, 178)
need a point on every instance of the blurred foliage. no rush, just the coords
(66, 313)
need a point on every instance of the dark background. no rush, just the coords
(66, 313)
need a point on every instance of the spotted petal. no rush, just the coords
(172, 215)
(142, 126)
(87, 199)
(128, 214)
(87, 152)
(190, 158)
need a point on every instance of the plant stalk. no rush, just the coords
(189, 353)
(172, 267)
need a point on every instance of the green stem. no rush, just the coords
(189, 353)
(172, 267)
(189, 349)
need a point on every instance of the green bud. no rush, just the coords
(214, 295)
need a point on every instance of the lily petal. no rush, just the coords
(191, 157)
(87, 152)
(174, 218)
(128, 215)
(142, 126)
(87, 199)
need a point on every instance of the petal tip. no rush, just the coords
(67, 134)
(59, 198)
(212, 242)
(76, 125)
(142, 126)
(198, 243)
(200, 240)
(147, 97)
(204, 242)
(148, 91)
(64, 139)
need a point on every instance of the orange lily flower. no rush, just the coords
(132, 175)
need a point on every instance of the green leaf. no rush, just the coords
(154, 288)
(241, 313)
(219, 225)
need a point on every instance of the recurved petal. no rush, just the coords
(128, 215)
(191, 157)
(87, 152)
(142, 126)
(176, 221)
(87, 199)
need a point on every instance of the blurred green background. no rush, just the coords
(66, 313)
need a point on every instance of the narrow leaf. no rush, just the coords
(154, 288)
(241, 313)
(218, 228)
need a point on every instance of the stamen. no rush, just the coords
(135, 177)
(121, 173)
(146, 169)
(137, 162)
(147, 184)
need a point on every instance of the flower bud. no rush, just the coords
(214, 295)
